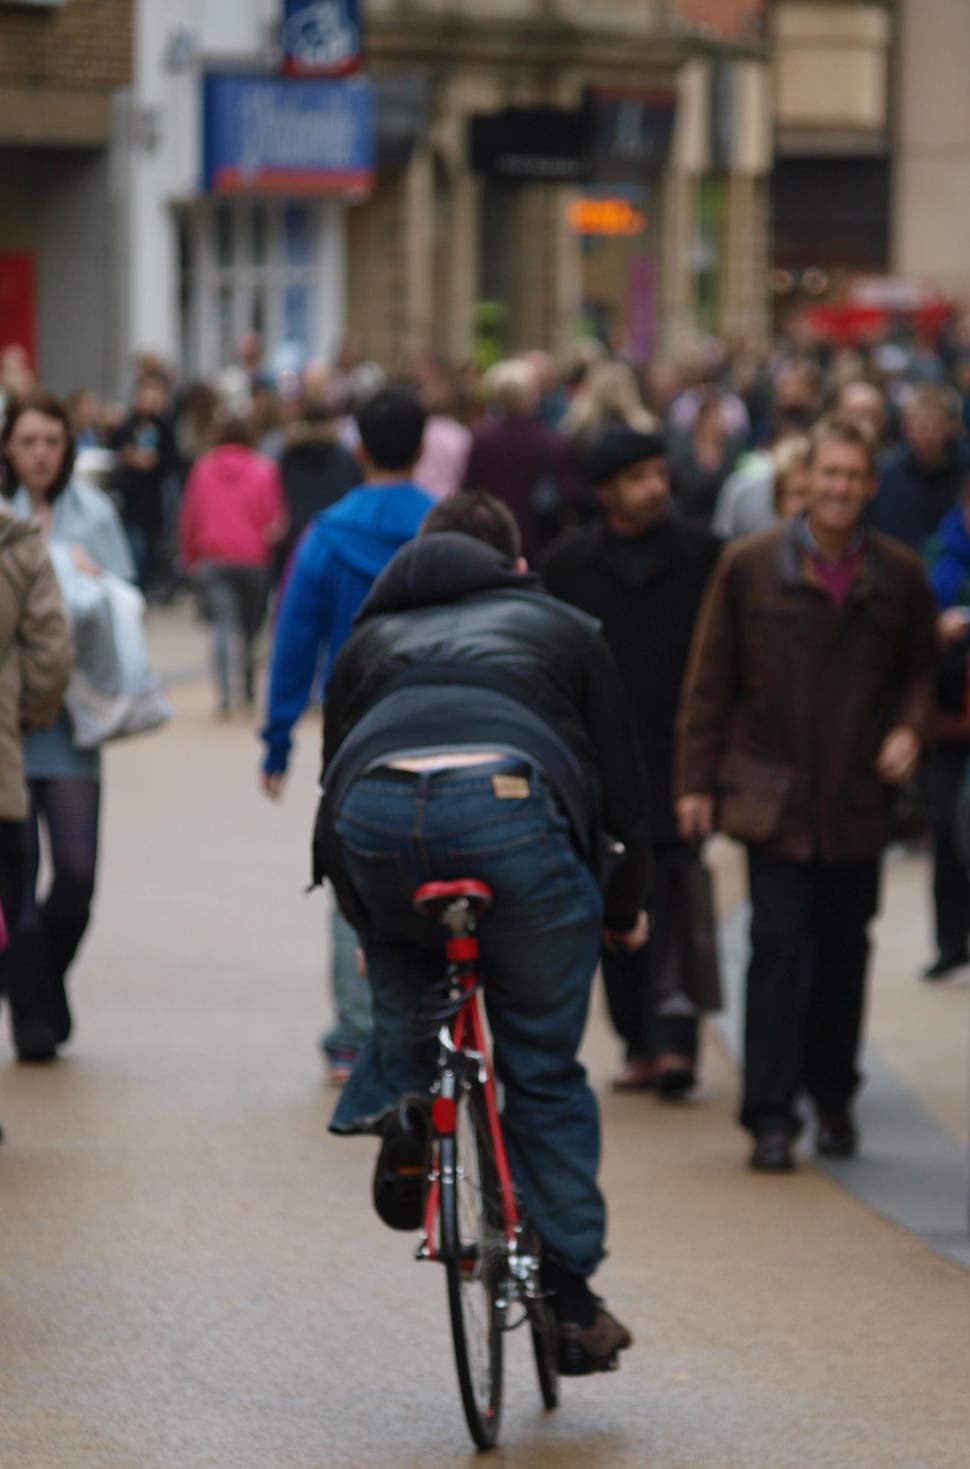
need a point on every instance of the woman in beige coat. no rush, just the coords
(35, 664)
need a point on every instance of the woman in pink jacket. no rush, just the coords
(233, 514)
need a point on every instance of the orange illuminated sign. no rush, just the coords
(606, 217)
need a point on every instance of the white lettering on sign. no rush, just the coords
(276, 136)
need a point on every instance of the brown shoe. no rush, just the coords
(593, 1348)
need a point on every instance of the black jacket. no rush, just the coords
(317, 471)
(453, 647)
(646, 593)
(912, 499)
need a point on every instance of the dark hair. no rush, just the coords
(44, 403)
(234, 430)
(843, 431)
(391, 427)
(473, 513)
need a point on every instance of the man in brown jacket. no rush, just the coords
(806, 703)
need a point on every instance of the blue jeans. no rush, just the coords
(236, 598)
(540, 948)
(351, 994)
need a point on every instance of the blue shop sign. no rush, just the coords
(321, 37)
(265, 134)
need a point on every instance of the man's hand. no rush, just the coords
(695, 817)
(897, 760)
(632, 940)
(953, 624)
(272, 783)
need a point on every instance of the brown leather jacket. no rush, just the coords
(788, 699)
(35, 651)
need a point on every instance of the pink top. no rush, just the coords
(233, 503)
(444, 457)
(838, 577)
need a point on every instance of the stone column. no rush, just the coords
(689, 158)
(465, 210)
(418, 252)
(677, 296)
(744, 282)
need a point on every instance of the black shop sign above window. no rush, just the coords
(532, 145)
(619, 134)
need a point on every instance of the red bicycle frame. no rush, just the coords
(468, 1037)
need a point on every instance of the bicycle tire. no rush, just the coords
(475, 1266)
(545, 1345)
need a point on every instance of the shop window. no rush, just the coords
(256, 265)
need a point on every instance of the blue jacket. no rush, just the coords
(948, 561)
(342, 553)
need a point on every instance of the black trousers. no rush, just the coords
(943, 776)
(806, 986)
(12, 867)
(633, 981)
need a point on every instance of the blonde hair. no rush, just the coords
(610, 391)
(843, 431)
(512, 385)
(790, 455)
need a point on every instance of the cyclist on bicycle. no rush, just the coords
(477, 727)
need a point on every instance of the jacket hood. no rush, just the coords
(230, 462)
(365, 528)
(440, 568)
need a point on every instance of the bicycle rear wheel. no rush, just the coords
(545, 1345)
(475, 1254)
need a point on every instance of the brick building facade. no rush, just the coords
(60, 68)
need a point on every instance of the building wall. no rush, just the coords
(729, 18)
(482, 58)
(931, 196)
(57, 203)
(58, 69)
(832, 74)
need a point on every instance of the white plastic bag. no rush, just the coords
(113, 692)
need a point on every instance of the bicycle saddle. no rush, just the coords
(432, 899)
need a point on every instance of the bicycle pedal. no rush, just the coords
(574, 1362)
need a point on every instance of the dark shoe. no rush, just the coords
(583, 1350)
(773, 1153)
(34, 1039)
(675, 1076)
(35, 1035)
(399, 1177)
(946, 965)
(59, 1011)
(836, 1136)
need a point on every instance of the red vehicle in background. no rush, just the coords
(875, 306)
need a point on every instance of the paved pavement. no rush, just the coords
(191, 1277)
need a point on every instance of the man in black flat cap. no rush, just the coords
(642, 571)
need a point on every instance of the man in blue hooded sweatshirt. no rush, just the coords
(341, 555)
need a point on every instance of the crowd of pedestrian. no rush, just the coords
(721, 516)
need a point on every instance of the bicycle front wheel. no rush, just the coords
(475, 1255)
